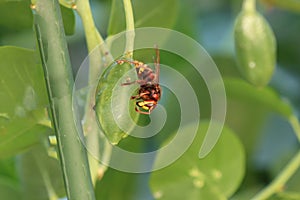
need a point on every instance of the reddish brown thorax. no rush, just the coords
(149, 92)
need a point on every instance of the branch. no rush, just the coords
(278, 183)
(59, 80)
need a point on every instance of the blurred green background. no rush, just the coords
(268, 138)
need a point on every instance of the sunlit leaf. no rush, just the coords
(111, 115)
(23, 99)
(217, 176)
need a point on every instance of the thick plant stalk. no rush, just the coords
(59, 81)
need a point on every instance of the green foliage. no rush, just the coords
(17, 16)
(68, 18)
(8, 190)
(24, 119)
(9, 185)
(40, 175)
(285, 196)
(217, 176)
(23, 100)
(109, 89)
(126, 186)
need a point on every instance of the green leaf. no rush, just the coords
(68, 17)
(9, 184)
(109, 89)
(126, 186)
(285, 196)
(7, 168)
(40, 175)
(9, 189)
(15, 15)
(217, 176)
(154, 13)
(23, 100)
(265, 97)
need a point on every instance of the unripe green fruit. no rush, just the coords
(255, 47)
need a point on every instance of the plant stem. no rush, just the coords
(130, 34)
(96, 48)
(279, 182)
(296, 126)
(94, 39)
(59, 80)
(249, 5)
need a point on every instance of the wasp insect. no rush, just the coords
(149, 92)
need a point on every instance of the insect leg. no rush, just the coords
(142, 112)
(128, 83)
(157, 64)
(141, 82)
(135, 97)
(120, 62)
(151, 108)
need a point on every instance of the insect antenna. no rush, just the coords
(157, 64)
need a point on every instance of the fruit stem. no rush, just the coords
(130, 34)
(249, 5)
(99, 57)
(278, 183)
(296, 126)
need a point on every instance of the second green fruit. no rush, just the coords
(255, 47)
